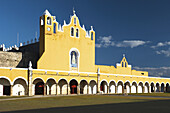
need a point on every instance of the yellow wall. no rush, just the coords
(55, 47)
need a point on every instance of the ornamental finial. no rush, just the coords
(123, 55)
(74, 12)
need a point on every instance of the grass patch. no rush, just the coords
(66, 101)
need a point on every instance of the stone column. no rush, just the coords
(30, 79)
(68, 89)
(56, 89)
(143, 89)
(165, 89)
(123, 89)
(107, 89)
(149, 89)
(98, 80)
(11, 88)
(159, 88)
(136, 89)
(87, 88)
(45, 92)
(78, 89)
(115, 89)
(129, 89)
(154, 88)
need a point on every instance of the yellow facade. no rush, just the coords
(67, 66)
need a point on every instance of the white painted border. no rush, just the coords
(19, 77)
(11, 83)
(51, 78)
(76, 50)
(38, 78)
(104, 80)
(62, 79)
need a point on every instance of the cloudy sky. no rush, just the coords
(140, 29)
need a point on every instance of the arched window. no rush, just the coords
(74, 20)
(72, 31)
(77, 32)
(54, 29)
(49, 20)
(74, 59)
(91, 35)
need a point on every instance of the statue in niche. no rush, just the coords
(73, 59)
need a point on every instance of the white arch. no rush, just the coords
(84, 80)
(119, 81)
(104, 80)
(152, 82)
(11, 83)
(146, 82)
(92, 80)
(134, 82)
(74, 49)
(51, 78)
(157, 83)
(167, 83)
(162, 83)
(20, 78)
(38, 78)
(63, 79)
(112, 81)
(140, 82)
(73, 79)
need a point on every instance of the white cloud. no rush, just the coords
(161, 44)
(157, 72)
(107, 41)
(165, 52)
(131, 43)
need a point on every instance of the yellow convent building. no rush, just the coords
(62, 62)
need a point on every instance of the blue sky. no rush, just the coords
(138, 28)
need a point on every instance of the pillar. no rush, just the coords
(56, 89)
(136, 89)
(159, 88)
(154, 88)
(143, 89)
(87, 88)
(115, 89)
(30, 79)
(129, 89)
(98, 83)
(122, 89)
(68, 89)
(11, 90)
(107, 89)
(45, 92)
(78, 89)
(149, 89)
(164, 89)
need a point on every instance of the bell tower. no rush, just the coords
(46, 28)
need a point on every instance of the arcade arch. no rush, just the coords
(92, 87)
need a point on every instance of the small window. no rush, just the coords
(125, 64)
(54, 28)
(48, 20)
(77, 32)
(91, 35)
(142, 73)
(74, 20)
(72, 31)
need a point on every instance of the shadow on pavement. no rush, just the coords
(157, 106)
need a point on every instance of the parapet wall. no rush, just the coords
(10, 59)
(21, 57)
